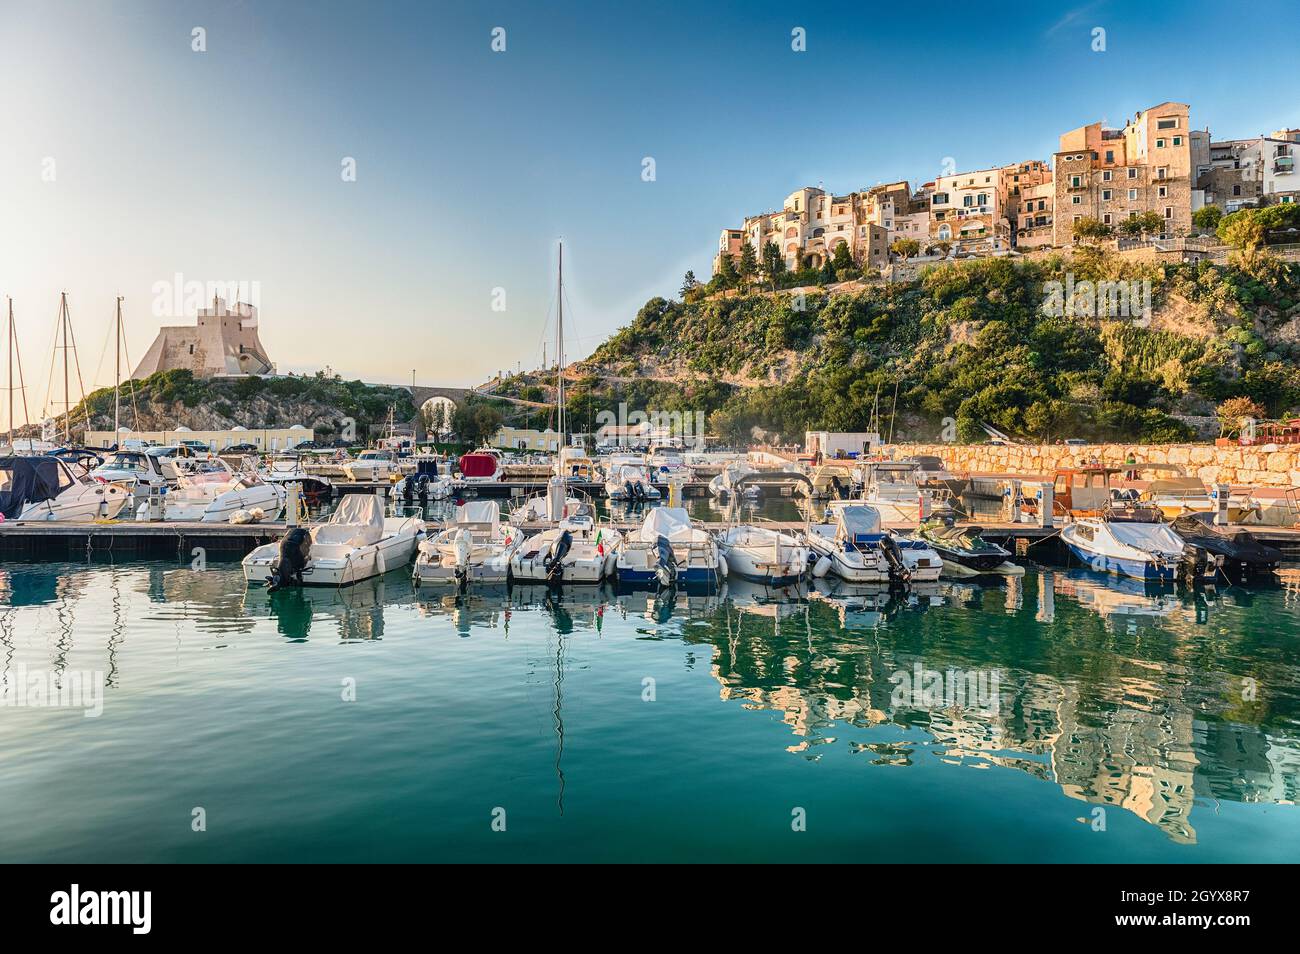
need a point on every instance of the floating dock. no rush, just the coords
(52, 539)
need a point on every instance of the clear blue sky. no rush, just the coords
(225, 165)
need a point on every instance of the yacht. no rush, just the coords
(475, 548)
(669, 550)
(47, 488)
(209, 491)
(356, 543)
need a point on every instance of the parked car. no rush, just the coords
(241, 449)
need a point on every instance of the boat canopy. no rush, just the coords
(25, 480)
(487, 512)
(859, 524)
(671, 522)
(358, 522)
(478, 465)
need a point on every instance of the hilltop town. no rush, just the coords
(1157, 179)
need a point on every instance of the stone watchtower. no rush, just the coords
(224, 341)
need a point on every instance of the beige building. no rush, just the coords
(527, 439)
(1115, 174)
(265, 439)
(1246, 172)
(811, 225)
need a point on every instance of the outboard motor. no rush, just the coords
(463, 545)
(554, 561)
(666, 571)
(408, 491)
(295, 549)
(422, 491)
(638, 490)
(898, 571)
(837, 489)
(629, 490)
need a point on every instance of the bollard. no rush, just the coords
(1221, 495)
(675, 491)
(291, 504)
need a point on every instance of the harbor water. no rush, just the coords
(1059, 716)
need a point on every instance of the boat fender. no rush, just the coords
(380, 566)
(822, 567)
(723, 569)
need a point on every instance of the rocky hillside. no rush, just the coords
(171, 398)
(994, 340)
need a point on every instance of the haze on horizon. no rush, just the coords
(225, 165)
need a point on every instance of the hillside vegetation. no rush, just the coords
(970, 342)
(171, 398)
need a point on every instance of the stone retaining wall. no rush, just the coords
(1267, 465)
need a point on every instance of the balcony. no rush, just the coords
(1283, 165)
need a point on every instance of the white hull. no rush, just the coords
(855, 567)
(177, 508)
(360, 563)
(85, 505)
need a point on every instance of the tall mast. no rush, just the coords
(67, 391)
(12, 448)
(117, 372)
(559, 348)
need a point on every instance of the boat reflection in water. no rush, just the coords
(1109, 692)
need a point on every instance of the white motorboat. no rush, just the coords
(1131, 541)
(142, 472)
(667, 463)
(575, 550)
(763, 555)
(288, 468)
(480, 467)
(475, 548)
(47, 488)
(209, 491)
(668, 550)
(629, 481)
(852, 545)
(894, 489)
(372, 465)
(729, 482)
(356, 543)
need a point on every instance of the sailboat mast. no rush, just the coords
(12, 448)
(117, 373)
(67, 391)
(559, 348)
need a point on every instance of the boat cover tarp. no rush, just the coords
(478, 465)
(1148, 537)
(27, 480)
(479, 511)
(671, 522)
(358, 522)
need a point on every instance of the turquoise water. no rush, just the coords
(615, 727)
